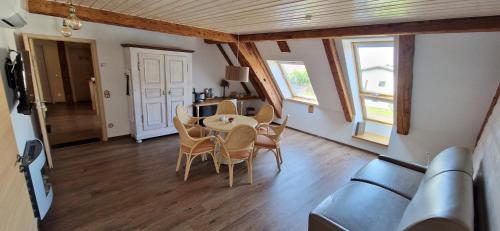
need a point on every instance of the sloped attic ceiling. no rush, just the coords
(258, 16)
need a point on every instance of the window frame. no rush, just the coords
(290, 89)
(367, 94)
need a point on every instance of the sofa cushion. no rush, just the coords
(444, 202)
(450, 159)
(359, 206)
(395, 178)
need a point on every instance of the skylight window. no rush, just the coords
(375, 74)
(297, 79)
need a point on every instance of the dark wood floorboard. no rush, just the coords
(121, 185)
(72, 122)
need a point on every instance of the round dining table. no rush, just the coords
(215, 123)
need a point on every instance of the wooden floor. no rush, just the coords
(121, 185)
(72, 122)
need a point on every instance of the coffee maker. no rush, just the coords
(198, 96)
(208, 93)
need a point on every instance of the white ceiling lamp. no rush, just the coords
(72, 22)
(237, 73)
(65, 30)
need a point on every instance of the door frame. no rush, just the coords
(29, 45)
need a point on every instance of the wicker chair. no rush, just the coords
(264, 117)
(226, 107)
(272, 141)
(238, 145)
(193, 147)
(191, 123)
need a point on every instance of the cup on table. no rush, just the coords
(224, 119)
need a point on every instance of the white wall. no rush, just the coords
(208, 63)
(22, 124)
(455, 76)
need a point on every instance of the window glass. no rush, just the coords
(375, 74)
(296, 76)
(379, 110)
(375, 65)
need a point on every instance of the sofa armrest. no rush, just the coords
(412, 166)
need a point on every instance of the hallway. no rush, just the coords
(72, 123)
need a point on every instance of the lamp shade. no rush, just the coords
(237, 73)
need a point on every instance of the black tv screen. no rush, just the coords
(18, 72)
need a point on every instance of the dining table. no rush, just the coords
(220, 124)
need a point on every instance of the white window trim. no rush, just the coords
(364, 94)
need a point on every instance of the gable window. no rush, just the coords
(374, 63)
(297, 79)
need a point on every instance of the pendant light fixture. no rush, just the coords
(72, 22)
(65, 30)
(237, 73)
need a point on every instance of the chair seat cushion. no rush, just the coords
(265, 131)
(359, 206)
(390, 176)
(240, 154)
(264, 141)
(192, 121)
(198, 132)
(205, 146)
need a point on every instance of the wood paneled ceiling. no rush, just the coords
(258, 16)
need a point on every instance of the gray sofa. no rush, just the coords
(387, 194)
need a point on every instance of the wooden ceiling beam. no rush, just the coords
(476, 24)
(338, 77)
(283, 45)
(208, 41)
(406, 50)
(253, 78)
(226, 57)
(117, 19)
(249, 56)
(494, 102)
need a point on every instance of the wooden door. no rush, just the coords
(16, 212)
(44, 78)
(39, 103)
(53, 70)
(176, 68)
(153, 102)
(81, 70)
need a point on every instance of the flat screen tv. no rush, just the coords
(18, 72)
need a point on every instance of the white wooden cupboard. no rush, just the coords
(159, 80)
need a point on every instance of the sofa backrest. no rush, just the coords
(444, 199)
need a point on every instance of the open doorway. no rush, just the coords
(65, 72)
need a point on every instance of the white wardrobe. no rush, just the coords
(159, 80)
